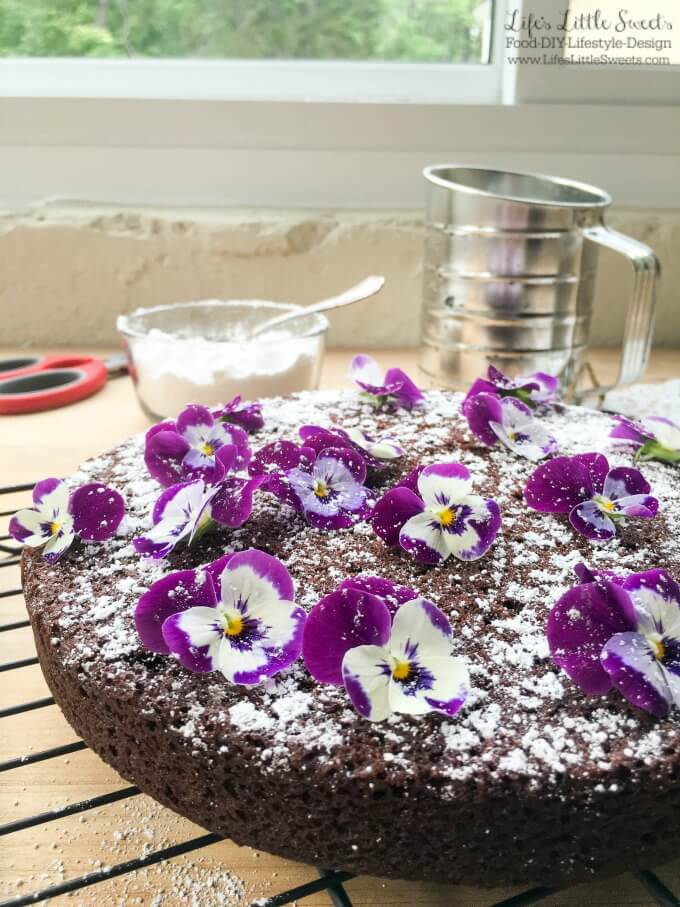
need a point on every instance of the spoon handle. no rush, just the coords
(363, 290)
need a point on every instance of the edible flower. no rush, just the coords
(401, 665)
(327, 488)
(237, 615)
(595, 496)
(655, 437)
(538, 389)
(510, 421)
(623, 634)
(433, 514)
(376, 452)
(186, 511)
(393, 387)
(92, 512)
(195, 446)
(247, 416)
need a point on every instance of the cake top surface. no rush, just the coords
(524, 718)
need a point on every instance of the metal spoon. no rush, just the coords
(368, 287)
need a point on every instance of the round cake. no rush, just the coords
(532, 781)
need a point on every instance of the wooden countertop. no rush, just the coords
(54, 443)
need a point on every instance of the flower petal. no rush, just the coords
(588, 520)
(392, 511)
(656, 597)
(194, 416)
(630, 661)
(643, 506)
(481, 411)
(423, 536)
(51, 496)
(366, 675)
(444, 483)
(579, 625)
(195, 635)
(627, 430)
(666, 431)
(392, 594)
(405, 392)
(164, 451)
(521, 432)
(341, 621)
(172, 593)
(470, 537)
(97, 511)
(233, 503)
(560, 484)
(623, 481)
(30, 528)
(257, 578)
(420, 630)
(59, 543)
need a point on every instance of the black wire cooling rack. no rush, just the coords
(328, 881)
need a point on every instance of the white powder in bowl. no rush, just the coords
(171, 371)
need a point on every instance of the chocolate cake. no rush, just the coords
(531, 782)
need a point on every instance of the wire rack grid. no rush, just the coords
(328, 881)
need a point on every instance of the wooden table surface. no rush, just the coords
(54, 443)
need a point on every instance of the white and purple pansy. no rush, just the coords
(654, 437)
(237, 615)
(92, 513)
(376, 452)
(595, 496)
(433, 514)
(510, 421)
(538, 389)
(247, 416)
(623, 634)
(327, 488)
(186, 511)
(386, 665)
(195, 446)
(393, 387)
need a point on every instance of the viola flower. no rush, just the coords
(655, 437)
(538, 389)
(237, 616)
(623, 634)
(327, 488)
(376, 452)
(185, 512)
(195, 446)
(508, 420)
(595, 496)
(441, 519)
(92, 512)
(247, 416)
(393, 387)
(401, 666)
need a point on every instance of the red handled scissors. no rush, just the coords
(29, 384)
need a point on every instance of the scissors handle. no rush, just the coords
(31, 384)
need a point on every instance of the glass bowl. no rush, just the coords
(198, 352)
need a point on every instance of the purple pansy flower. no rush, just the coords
(92, 512)
(594, 496)
(536, 389)
(247, 416)
(326, 487)
(386, 666)
(507, 419)
(394, 386)
(185, 512)
(195, 446)
(623, 634)
(376, 452)
(443, 517)
(655, 437)
(237, 616)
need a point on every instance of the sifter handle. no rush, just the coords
(639, 327)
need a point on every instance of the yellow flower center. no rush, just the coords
(659, 648)
(54, 528)
(604, 504)
(320, 488)
(233, 626)
(446, 516)
(207, 449)
(401, 670)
